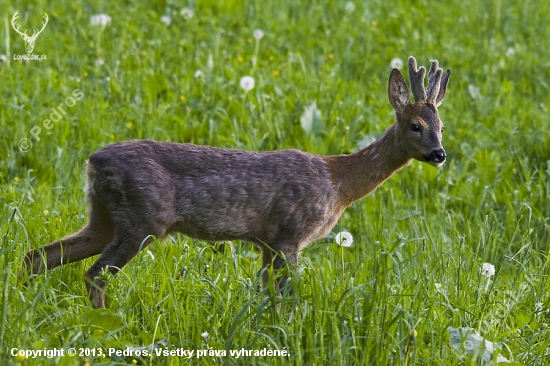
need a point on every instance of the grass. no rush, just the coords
(419, 241)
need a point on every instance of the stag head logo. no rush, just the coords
(29, 40)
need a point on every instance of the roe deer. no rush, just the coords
(279, 200)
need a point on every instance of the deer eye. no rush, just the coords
(442, 129)
(415, 127)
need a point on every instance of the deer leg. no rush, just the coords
(90, 241)
(127, 243)
(278, 260)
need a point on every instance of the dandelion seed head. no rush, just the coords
(247, 83)
(100, 20)
(166, 20)
(258, 34)
(396, 63)
(205, 335)
(187, 13)
(344, 238)
(198, 74)
(487, 269)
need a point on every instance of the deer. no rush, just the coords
(279, 200)
(29, 41)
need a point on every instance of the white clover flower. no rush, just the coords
(3, 58)
(396, 63)
(99, 62)
(344, 239)
(487, 270)
(247, 83)
(350, 7)
(198, 74)
(166, 20)
(258, 34)
(187, 13)
(100, 20)
(205, 336)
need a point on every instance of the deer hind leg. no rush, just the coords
(89, 241)
(129, 239)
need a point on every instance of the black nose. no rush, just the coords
(437, 155)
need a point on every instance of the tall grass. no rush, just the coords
(420, 240)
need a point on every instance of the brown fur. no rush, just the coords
(279, 200)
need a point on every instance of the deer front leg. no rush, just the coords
(282, 262)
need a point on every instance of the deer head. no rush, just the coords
(419, 125)
(29, 40)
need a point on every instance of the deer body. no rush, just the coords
(213, 194)
(279, 200)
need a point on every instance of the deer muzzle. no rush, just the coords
(436, 157)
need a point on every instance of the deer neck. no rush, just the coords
(360, 173)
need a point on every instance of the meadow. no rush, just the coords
(170, 70)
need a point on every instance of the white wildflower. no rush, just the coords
(166, 20)
(474, 91)
(205, 336)
(469, 341)
(510, 52)
(396, 63)
(187, 13)
(100, 20)
(487, 270)
(3, 58)
(350, 7)
(258, 34)
(99, 62)
(198, 74)
(344, 239)
(247, 83)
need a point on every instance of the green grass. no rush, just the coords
(419, 241)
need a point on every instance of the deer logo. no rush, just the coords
(29, 40)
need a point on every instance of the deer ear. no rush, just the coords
(442, 87)
(398, 91)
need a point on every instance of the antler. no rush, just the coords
(24, 34)
(14, 26)
(416, 78)
(436, 79)
(37, 32)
